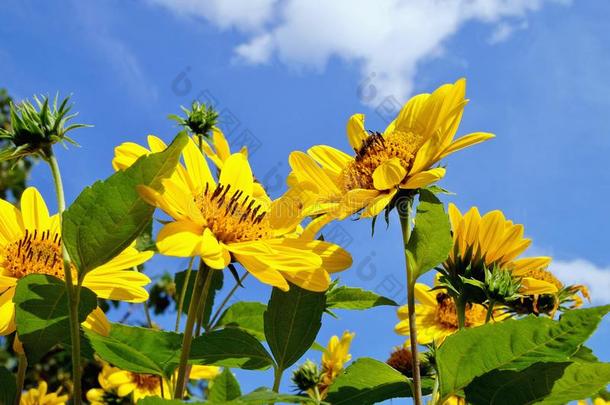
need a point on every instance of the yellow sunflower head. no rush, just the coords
(336, 356)
(402, 157)
(30, 243)
(41, 396)
(229, 219)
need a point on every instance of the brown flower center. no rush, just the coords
(375, 150)
(446, 312)
(35, 253)
(147, 382)
(232, 217)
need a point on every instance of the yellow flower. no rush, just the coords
(224, 221)
(335, 356)
(595, 401)
(333, 183)
(436, 315)
(39, 396)
(116, 382)
(493, 241)
(30, 243)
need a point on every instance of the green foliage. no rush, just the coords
(355, 298)
(368, 381)
(512, 345)
(261, 396)
(8, 386)
(292, 321)
(108, 216)
(225, 388)
(200, 119)
(247, 316)
(137, 349)
(546, 383)
(215, 286)
(430, 240)
(41, 313)
(230, 347)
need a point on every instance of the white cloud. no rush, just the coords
(384, 38)
(581, 271)
(243, 15)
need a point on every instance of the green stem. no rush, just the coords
(73, 291)
(277, 379)
(490, 311)
(224, 302)
(21, 368)
(404, 214)
(187, 276)
(433, 399)
(460, 307)
(202, 284)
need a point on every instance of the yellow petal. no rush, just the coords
(11, 223)
(334, 257)
(315, 226)
(425, 295)
(120, 285)
(180, 239)
(127, 259)
(285, 215)
(490, 232)
(126, 154)
(317, 280)
(34, 210)
(378, 204)
(409, 117)
(532, 286)
(466, 141)
(7, 312)
(306, 169)
(220, 143)
(523, 266)
(388, 174)
(356, 134)
(330, 158)
(156, 144)
(204, 372)
(197, 168)
(290, 255)
(212, 252)
(423, 179)
(263, 272)
(236, 172)
(97, 322)
(354, 200)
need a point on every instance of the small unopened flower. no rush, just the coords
(307, 376)
(36, 127)
(200, 119)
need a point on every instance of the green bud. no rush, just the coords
(307, 376)
(501, 285)
(200, 119)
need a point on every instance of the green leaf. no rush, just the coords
(230, 347)
(107, 216)
(545, 383)
(215, 286)
(513, 345)
(264, 396)
(139, 350)
(8, 386)
(368, 381)
(430, 240)
(161, 401)
(245, 315)
(355, 298)
(225, 387)
(145, 240)
(292, 321)
(42, 315)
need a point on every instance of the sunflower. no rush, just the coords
(40, 396)
(115, 382)
(334, 358)
(436, 315)
(30, 243)
(333, 183)
(224, 222)
(491, 241)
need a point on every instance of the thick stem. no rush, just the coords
(277, 379)
(404, 214)
(72, 290)
(187, 276)
(224, 302)
(490, 311)
(460, 307)
(21, 368)
(202, 284)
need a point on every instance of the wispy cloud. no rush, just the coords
(580, 271)
(386, 37)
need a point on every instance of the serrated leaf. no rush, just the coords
(42, 315)
(215, 286)
(431, 239)
(139, 350)
(108, 216)
(368, 381)
(513, 345)
(540, 383)
(292, 321)
(247, 316)
(230, 347)
(224, 388)
(355, 298)
(8, 386)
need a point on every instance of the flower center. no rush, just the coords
(446, 313)
(232, 217)
(35, 253)
(146, 382)
(375, 150)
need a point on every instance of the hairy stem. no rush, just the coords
(21, 368)
(72, 290)
(277, 379)
(460, 307)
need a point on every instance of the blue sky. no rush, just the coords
(286, 76)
